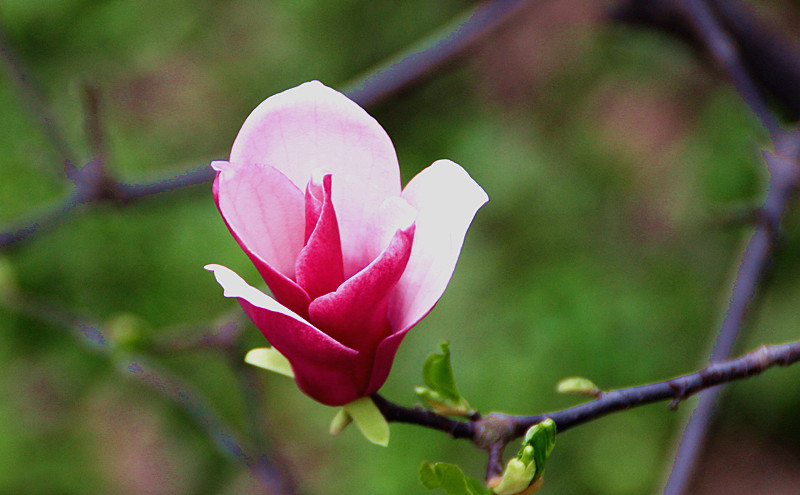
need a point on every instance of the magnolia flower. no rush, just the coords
(312, 195)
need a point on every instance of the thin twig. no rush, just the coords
(676, 389)
(422, 417)
(35, 104)
(770, 56)
(430, 53)
(725, 52)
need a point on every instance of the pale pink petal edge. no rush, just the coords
(447, 199)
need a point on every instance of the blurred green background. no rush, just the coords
(609, 153)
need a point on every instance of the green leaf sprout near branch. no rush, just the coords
(442, 395)
(450, 478)
(523, 473)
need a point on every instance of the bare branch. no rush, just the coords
(96, 337)
(725, 52)
(430, 53)
(493, 432)
(770, 57)
(34, 102)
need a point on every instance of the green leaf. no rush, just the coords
(523, 473)
(450, 478)
(517, 476)
(438, 374)
(578, 385)
(270, 359)
(369, 420)
(443, 394)
(542, 437)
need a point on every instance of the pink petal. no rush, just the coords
(355, 314)
(319, 265)
(264, 212)
(323, 368)
(447, 199)
(313, 126)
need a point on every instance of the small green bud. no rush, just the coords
(125, 331)
(578, 385)
(369, 420)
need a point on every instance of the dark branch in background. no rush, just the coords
(743, 48)
(431, 53)
(34, 103)
(493, 431)
(770, 57)
(725, 53)
(93, 183)
(99, 339)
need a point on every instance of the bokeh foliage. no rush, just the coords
(609, 155)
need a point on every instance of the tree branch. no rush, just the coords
(770, 57)
(34, 103)
(431, 53)
(493, 431)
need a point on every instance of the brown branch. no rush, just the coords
(494, 431)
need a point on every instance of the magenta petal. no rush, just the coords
(319, 265)
(446, 199)
(264, 212)
(355, 314)
(384, 357)
(323, 368)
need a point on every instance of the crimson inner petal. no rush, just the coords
(318, 267)
(356, 314)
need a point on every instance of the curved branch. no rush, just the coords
(675, 389)
(770, 56)
(430, 53)
(502, 428)
(725, 52)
